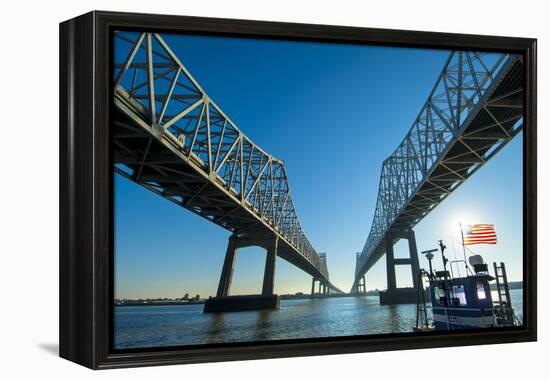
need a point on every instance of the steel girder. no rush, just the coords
(474, 109)
(173, 139)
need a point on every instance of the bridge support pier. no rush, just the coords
(269, 272)
(361, 286)
(228, 266)
(267, 300)
(394, 295)
(320, 290)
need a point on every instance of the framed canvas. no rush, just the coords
(379, 187)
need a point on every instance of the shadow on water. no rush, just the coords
(393, 318)
(257, 325)
(216, 327)
(263, 325)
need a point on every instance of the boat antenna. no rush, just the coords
(443, 247)
(430, 256)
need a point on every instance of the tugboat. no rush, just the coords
(463, 302)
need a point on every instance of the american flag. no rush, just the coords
(479, 234)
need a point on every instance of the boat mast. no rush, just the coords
(464, 250)
(442, 247)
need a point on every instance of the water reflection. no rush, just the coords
(216, 327)
(263, 322)
(393, 317)
(154, 326)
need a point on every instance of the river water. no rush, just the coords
(177, 325)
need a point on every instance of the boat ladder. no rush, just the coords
(503, 309)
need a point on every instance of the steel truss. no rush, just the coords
(173, 139)
(474, 109)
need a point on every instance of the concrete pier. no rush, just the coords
(224, 302)
(361, 286)
(394, 295)
(398, 296)
(241, 303)
(269, 271)
(227, 269)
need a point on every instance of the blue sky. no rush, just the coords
(333, 113)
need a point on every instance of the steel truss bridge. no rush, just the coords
(173, 139)
(474, 109)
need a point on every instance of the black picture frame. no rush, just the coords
(86, 223)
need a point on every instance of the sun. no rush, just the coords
(454, 222)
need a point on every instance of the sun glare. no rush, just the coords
(453, 227)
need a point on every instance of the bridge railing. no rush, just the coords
(150, 78)
(461, 85)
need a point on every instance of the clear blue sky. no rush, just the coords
(333, 113)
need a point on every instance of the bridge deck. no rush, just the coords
(495, 120)
(172, 139)
(176, 177)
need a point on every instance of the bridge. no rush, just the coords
(171, 138)
(474, 109)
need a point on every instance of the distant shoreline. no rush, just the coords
(201, 302)
(512, 285)
(160, 303)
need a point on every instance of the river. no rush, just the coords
(176, 325)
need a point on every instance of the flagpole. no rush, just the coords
(463, 248)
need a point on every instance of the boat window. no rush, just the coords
(458, 291)
(480, 286)
(438, 293)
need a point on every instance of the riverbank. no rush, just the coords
(159, 303)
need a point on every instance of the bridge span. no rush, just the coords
(173, 139)
(474, 109)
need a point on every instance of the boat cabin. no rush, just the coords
(461, 303)
(464, 302)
